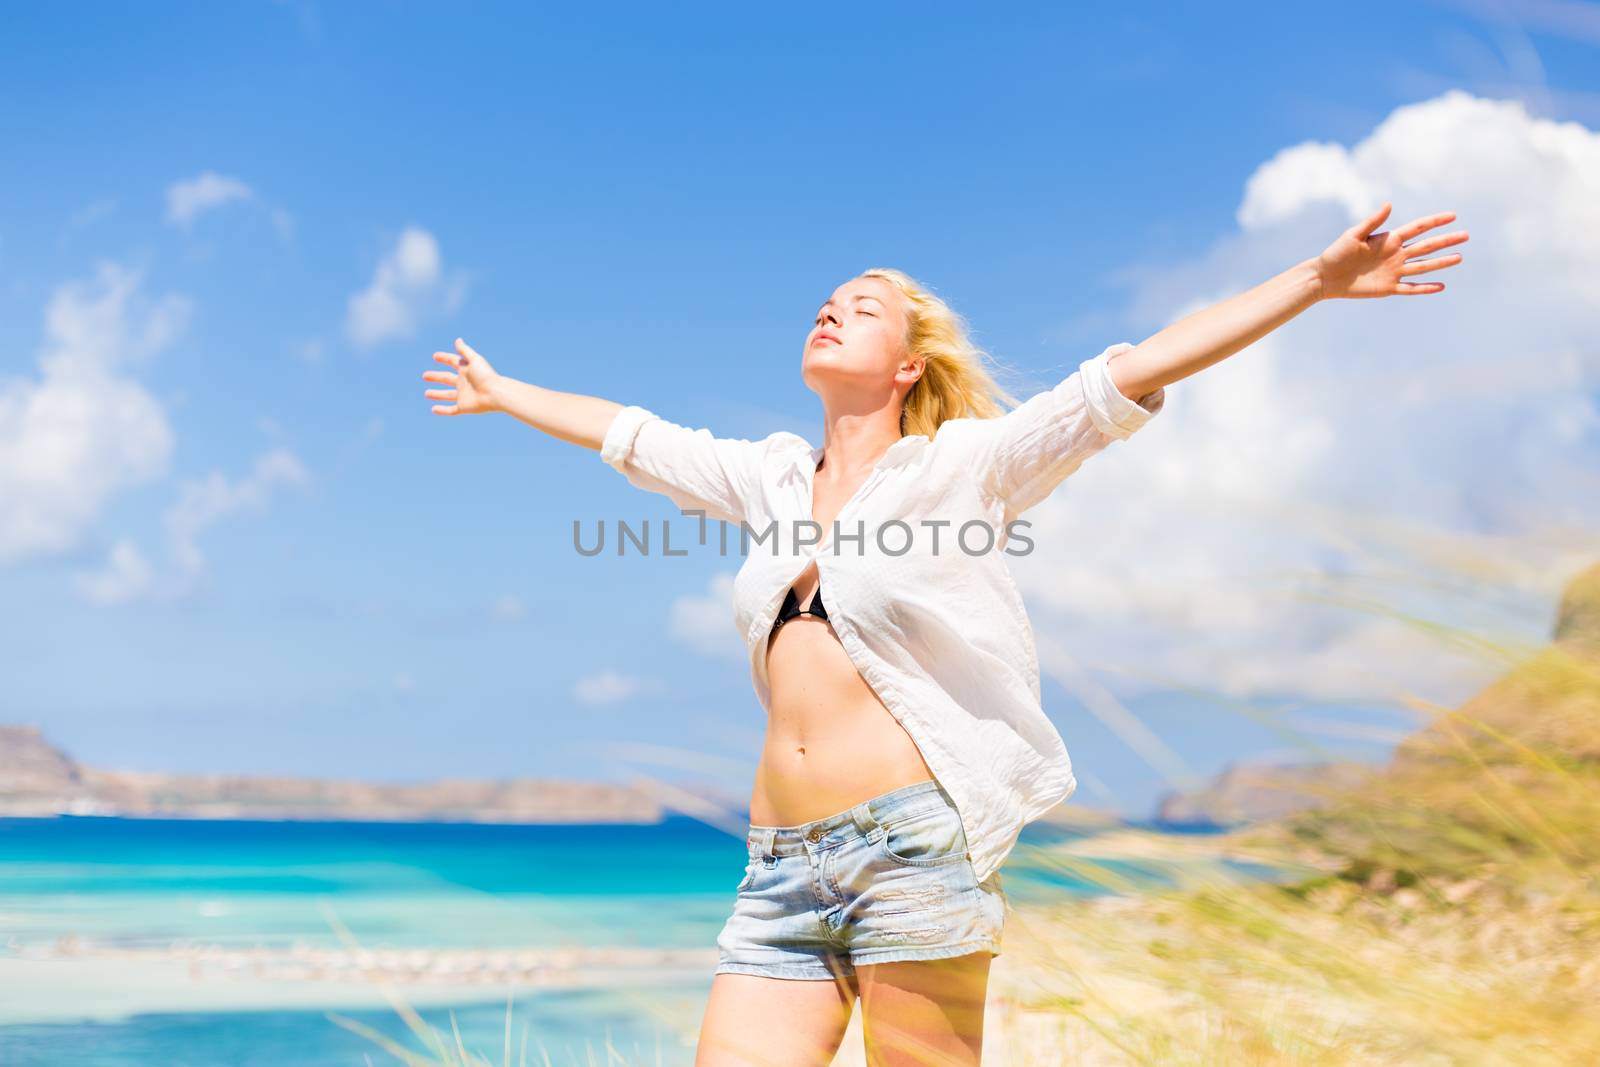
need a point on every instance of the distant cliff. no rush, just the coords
(38, 779)
(1249, 792)
(1546, 705)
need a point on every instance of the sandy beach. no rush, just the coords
(73, 981)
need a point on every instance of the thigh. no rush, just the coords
(755, 1021)
(923, 1012)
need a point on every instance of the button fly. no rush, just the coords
(814, 836)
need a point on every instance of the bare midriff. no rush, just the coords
(831, 742)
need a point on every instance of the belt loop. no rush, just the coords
(862, 814)
(765, 843)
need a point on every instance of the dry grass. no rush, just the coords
(1453, 915)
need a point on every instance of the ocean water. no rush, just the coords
(573, 1028)
(87, 901)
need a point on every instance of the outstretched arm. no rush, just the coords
(1024, 454)
(476, 388)
(1359, 263)
(695, 469)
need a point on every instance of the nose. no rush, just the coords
(830, 318)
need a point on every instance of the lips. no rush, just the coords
(821, 337)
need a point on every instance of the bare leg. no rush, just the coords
(755, 1021)
(924, 1013)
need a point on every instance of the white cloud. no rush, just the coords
(83, 430)
(1298, 175)
(202, 502)
(190, 198)
(1438, 449)
(409, 284)
(610, 687)
(702, 622)
(126, 576)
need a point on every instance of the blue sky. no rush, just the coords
(233, 537)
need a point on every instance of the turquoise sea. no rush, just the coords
(176, 941)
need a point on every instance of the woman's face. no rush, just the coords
(858, 341)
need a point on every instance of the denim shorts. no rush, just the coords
(889, 879)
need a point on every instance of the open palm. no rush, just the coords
(1363, 264)
(470, 384)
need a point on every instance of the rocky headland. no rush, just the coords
(38, 779)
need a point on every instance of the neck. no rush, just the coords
(857, 442)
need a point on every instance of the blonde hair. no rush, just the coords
(955, 381)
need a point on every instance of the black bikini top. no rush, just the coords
(791, 607)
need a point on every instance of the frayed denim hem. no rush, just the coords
(784, 970)
(866, 957)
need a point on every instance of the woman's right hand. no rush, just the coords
(472, 382)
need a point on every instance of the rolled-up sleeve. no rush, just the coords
(1114, 414)
(691, 467)
(1024, 454)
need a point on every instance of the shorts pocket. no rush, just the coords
(926, 839)
(749, 875)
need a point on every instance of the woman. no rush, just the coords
(905, 746)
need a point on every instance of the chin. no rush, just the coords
(826, 368)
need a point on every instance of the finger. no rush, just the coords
(440, 409)
(1437, 263)
(1427, 222)
(439, 394)
(465, 349)
(448, 358)
(443, 376)
(1433, 244)
(1374, 220)
(1417, 288)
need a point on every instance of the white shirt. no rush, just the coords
(938, 632)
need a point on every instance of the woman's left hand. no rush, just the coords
(1362, 263)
